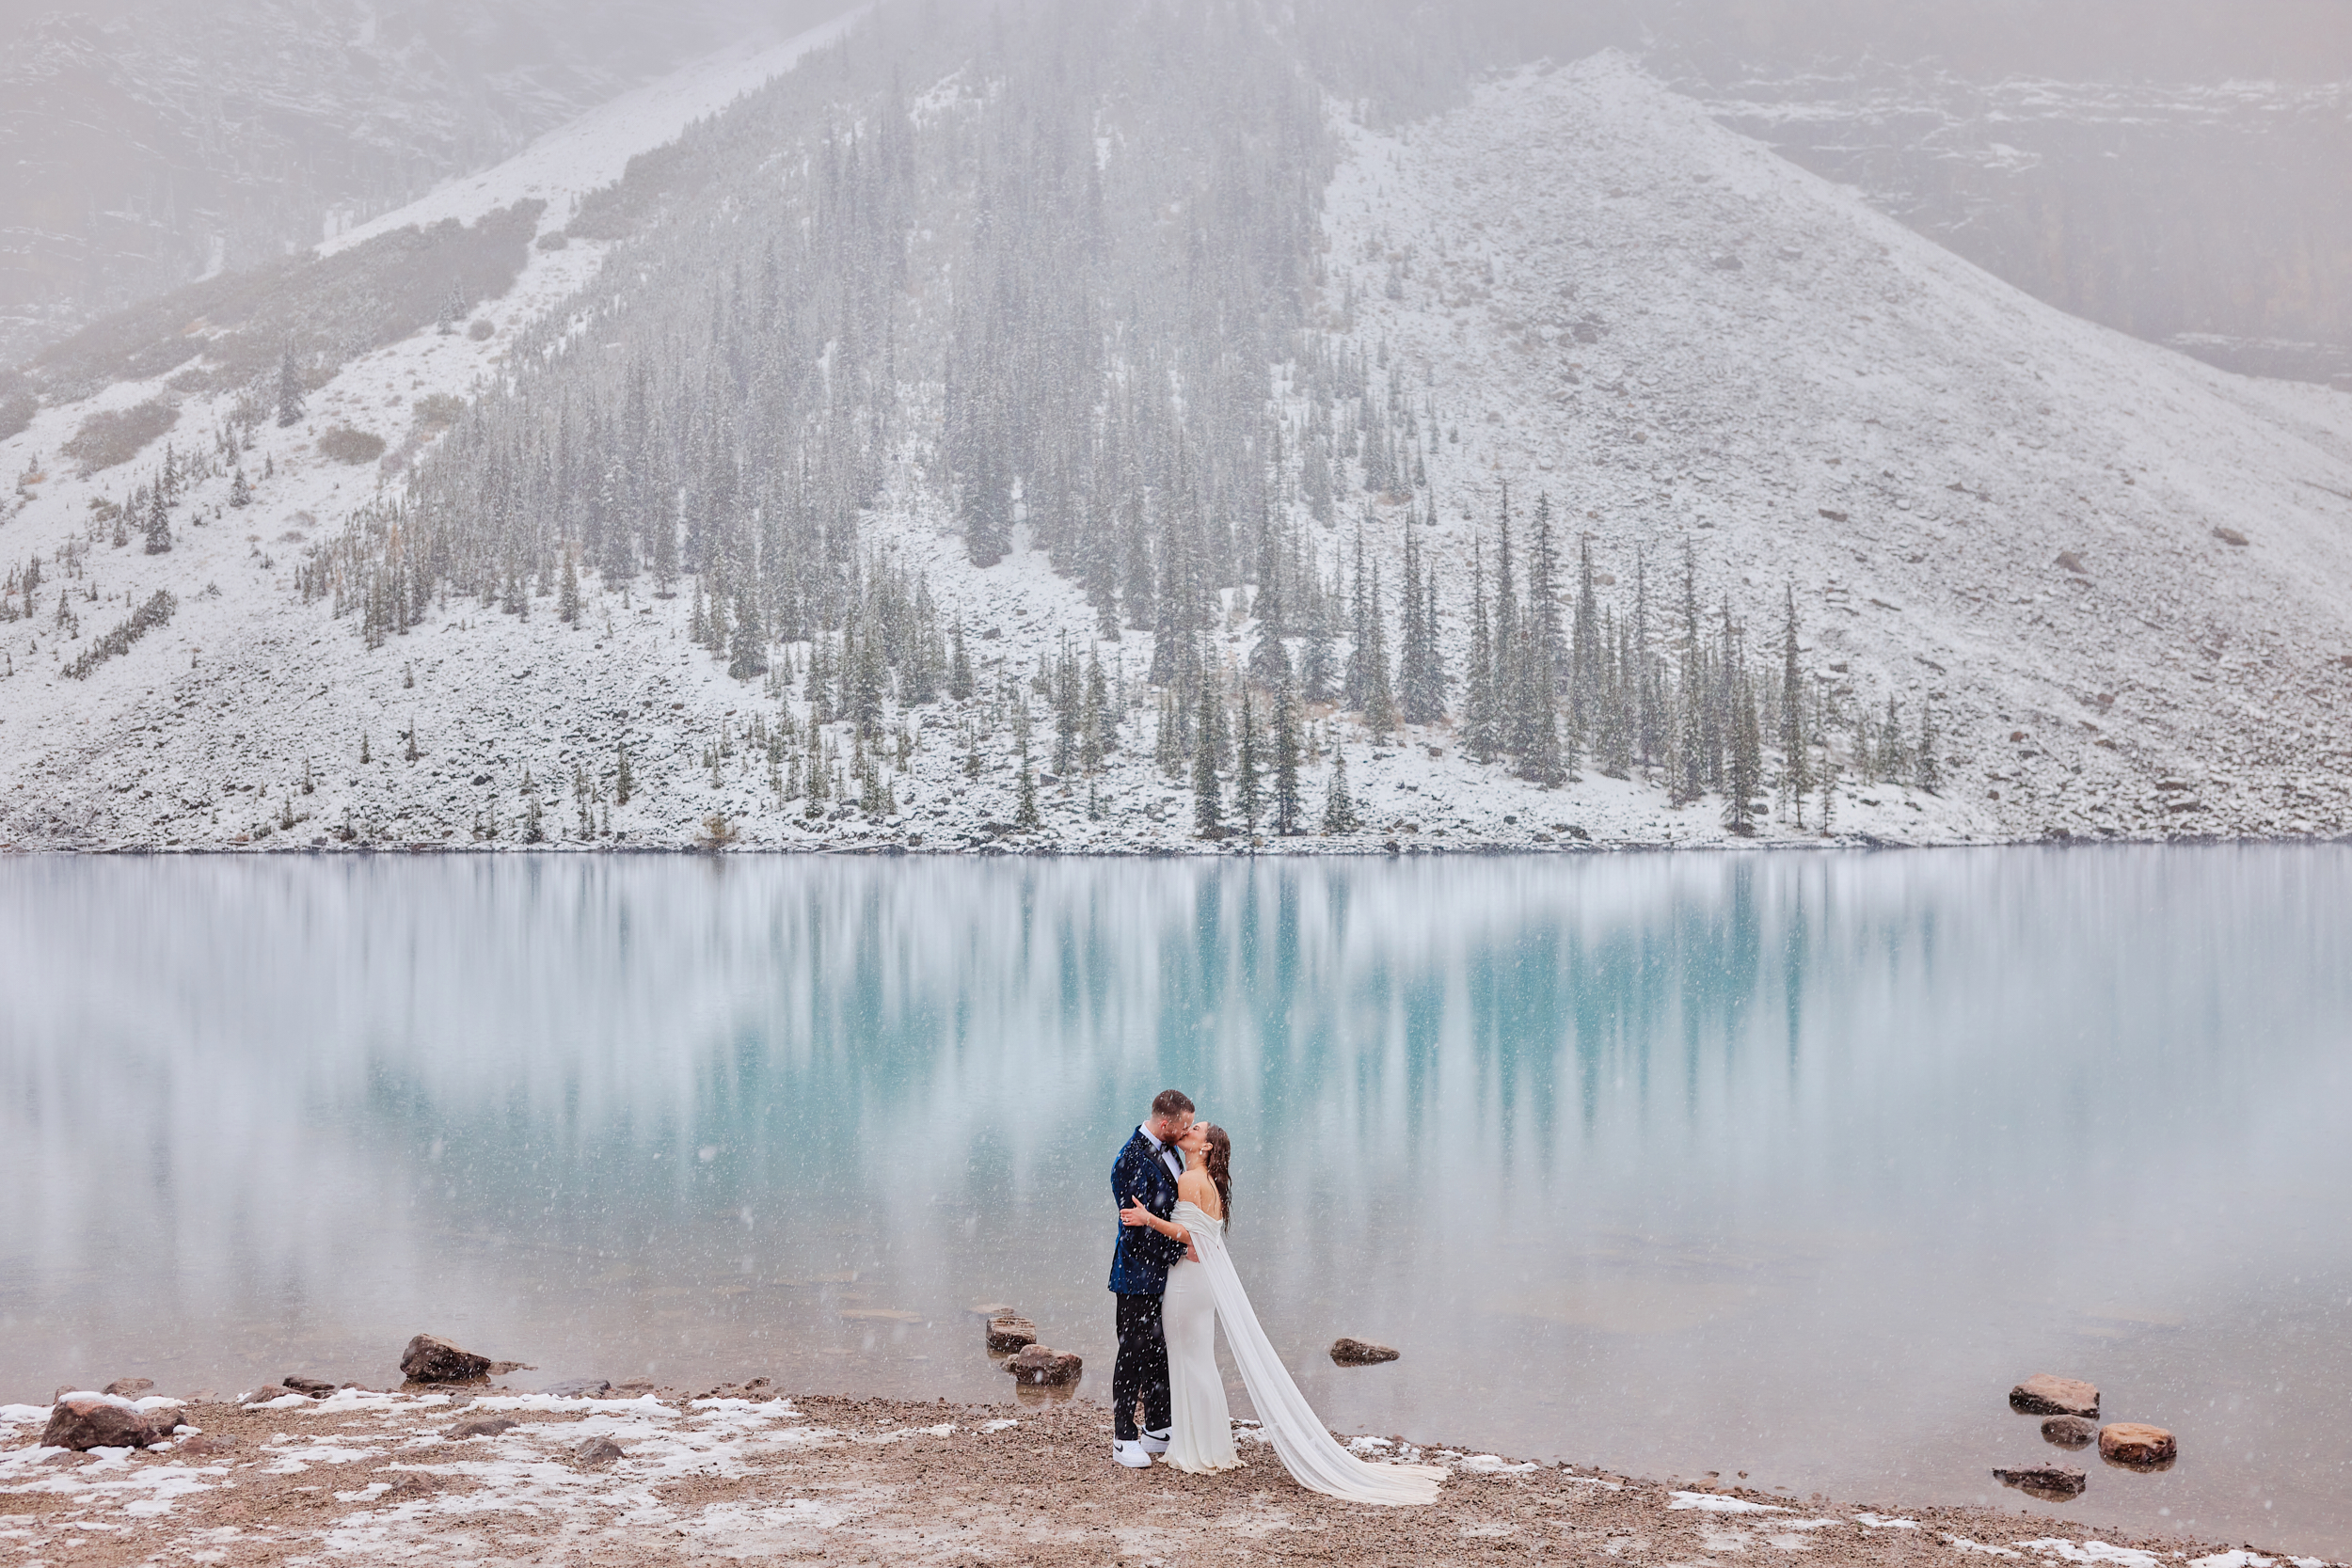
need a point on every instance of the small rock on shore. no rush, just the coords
(89, 1420)
(431, 1359)
(2052, 1481)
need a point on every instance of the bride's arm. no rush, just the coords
(1138, 1214)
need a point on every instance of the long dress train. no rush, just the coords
(1202, 1438)
(1305, 1446)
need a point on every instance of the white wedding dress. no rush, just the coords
(1204, 1435)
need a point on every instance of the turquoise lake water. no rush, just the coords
(1785, 1163)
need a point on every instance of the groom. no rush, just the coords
(1145, 1172)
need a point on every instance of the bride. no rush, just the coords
(1203, 1289)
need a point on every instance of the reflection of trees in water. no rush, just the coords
(862, 1049)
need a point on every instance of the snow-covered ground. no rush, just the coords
(1607, 297)
(594, 149)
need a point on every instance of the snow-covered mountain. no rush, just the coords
(149, 143)
(2209, 214)
(2113, 579)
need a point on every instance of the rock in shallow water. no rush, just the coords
(1011, 1332)
(2137, 1446)
(430, 1359)
(1043, 1368)
(2051, 1481)
(2046, 1394)
(1360, 1352)
(2069, 1432)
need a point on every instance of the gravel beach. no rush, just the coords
(666, 1477)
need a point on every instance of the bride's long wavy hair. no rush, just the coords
(1217, 1160)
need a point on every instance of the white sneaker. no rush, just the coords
(1156, 1441)
(1131, 1454)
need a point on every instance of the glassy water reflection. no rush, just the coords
(1788, 1165)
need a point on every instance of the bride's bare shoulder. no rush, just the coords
(1196, 1188)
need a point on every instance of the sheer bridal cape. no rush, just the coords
(1307, 1449)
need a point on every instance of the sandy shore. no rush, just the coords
(365, 1477)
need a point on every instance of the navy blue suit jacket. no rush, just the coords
(1140, 1262)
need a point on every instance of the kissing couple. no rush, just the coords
(1175, 1283)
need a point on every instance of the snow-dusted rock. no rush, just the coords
(94, 1420)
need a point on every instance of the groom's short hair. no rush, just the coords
(1170, 1102)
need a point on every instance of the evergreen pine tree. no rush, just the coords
(1269, 660)
(158, 523)
(1338, 807)
(1314, 657)
(959, 668)
(664, 552)
(1356, 683)
(1479, 726)
(1208, 803)
(568, 605)
(623, 785)
(1928, 771)
(1247, 787)
(1288, 813)
(747, 646)
(1025, 816)
(1101, 719)
(240, 493)
(1379, 698)
(1747, 759)
(1796, 768)
(289, 389)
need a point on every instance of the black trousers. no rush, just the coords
(1140, 1373)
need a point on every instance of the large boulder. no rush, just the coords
(429, 1359)
(1011, 1332)
(2137, 1446)
(1360, 1352)
(2048, 1481)
(2069, 1432)
(85, 1420)
(2046, 1394)
(1038, 1367)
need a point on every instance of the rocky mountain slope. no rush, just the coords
(2205, 214)
(2118, 578)
(149, 144)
